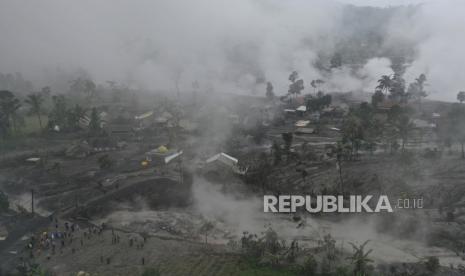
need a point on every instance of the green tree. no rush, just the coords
(35, 102)
(461, 96)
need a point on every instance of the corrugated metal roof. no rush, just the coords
(223, 158)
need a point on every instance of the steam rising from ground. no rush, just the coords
(438, 28)
(231, 215)
(242, 214)
(245, 214)
(227, 46)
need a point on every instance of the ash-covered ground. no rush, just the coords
(141, 138)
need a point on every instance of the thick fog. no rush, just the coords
(225, 46)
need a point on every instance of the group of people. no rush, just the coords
(71, 235)
(60, 237)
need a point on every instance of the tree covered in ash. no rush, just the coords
(36, 102)
(461, 96)
(9, 105)
(269, 91)
(297, 85)
(456, 126)
(4, 202)
(319, 102)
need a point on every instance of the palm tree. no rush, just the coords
(35, 101)
(384, 83)
(417, 89)
(397, 89)
(360, 258)
(316, 84)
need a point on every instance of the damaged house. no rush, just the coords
(222, 164)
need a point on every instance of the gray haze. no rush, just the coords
(224, 45)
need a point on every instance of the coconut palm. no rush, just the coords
(316, 84)
(384, 83)
(416, 89)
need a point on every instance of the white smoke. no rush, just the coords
(226, 46)
(437, 29)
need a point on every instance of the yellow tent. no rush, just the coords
(162, 149)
